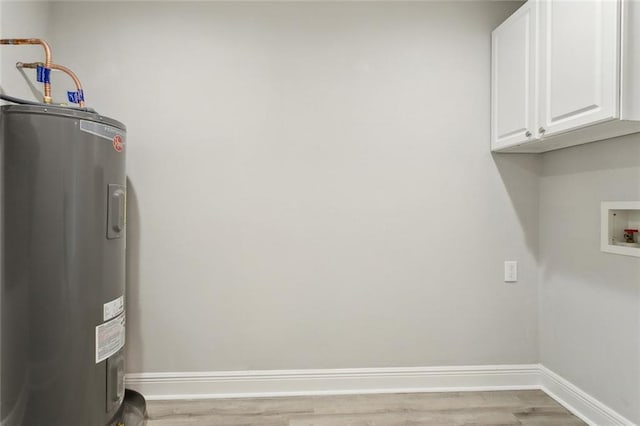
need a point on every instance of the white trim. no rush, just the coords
(578, 401)
(270, 383)
(230, 384)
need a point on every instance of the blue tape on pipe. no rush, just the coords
(47, 75)
(73, 97)
(40, 74)
(80, 95)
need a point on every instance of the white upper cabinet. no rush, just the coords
(583, 56)
(579, 76)
(513, 112)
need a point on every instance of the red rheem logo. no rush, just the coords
(117, 143)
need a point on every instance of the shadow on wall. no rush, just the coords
(520, 175)
(30, 82)
(618, 153)
(37, 94)
(133, 348)
(578, 179)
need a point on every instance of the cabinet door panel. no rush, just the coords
(578, 63)
(513, 78)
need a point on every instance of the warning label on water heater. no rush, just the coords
(110, 338)
(113, 308)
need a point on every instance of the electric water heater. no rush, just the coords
(63, 267)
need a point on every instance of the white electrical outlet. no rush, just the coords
(510, 271)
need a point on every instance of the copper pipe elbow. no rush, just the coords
(74, 77)
(47, 58)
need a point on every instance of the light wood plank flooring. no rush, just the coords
(451, 408)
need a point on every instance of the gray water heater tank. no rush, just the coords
(63, 267)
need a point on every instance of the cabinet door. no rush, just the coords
(513, 78)
(579, 63)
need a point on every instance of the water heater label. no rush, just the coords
(113, 309)
(109, 338)
(110, 133)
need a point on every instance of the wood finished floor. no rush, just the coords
(451, 408)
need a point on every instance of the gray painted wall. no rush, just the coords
(590, 301)
(310, 183)
(22, 20)
(310, 186)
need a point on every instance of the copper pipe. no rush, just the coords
(74, 77)
(47, 58)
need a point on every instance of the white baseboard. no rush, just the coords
(579, 402)
(229, 384)
(269, 383)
